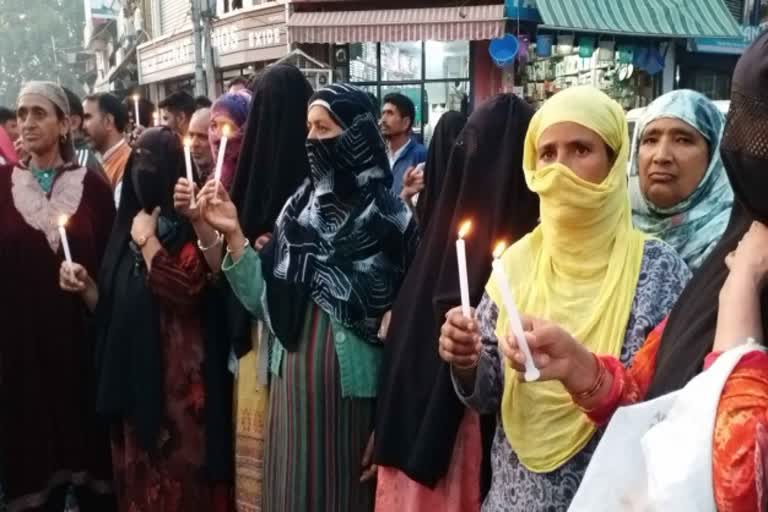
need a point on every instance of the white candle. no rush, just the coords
(461, 257)
(64, 242)
(137, 122)
(515, 324)
(156, 118)
(188, 162)
(220, 157)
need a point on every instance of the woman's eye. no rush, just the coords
(684, 140)
(648, 141)
(582, 150)
(548, 155)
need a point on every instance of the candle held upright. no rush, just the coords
(515, 324)
(190, 174)
(64, 241)
(136, 120)
(220, 157)
(461, 258)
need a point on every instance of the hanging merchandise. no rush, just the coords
(504, 50)
(649, 59)
(607, 52)
(626, 53)
(565, 44)
(544, 45)
(586, 47)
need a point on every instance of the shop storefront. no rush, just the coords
(428, 54)
(241, 42)
(629, 51)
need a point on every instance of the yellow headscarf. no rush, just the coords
(578, 268)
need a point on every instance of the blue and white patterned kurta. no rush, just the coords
(663, 275)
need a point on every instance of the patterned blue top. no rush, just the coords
(663, 275)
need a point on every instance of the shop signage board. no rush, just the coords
(252, 35)
(729, 46)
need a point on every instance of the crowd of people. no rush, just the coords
(286, 331)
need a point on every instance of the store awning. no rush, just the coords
(660, 18)
(472, 23)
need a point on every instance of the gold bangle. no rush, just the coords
(245, 246)
(599, 381)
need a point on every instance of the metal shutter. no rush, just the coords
(173, 15)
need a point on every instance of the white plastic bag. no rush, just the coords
(657, 456)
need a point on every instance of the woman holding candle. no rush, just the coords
(151, 350)
(430, 459)
(323, 285)
(228, 115)
(584, 267)
(722, 307)
(50, 437)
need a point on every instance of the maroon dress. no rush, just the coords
(50, 437)
(172, 478)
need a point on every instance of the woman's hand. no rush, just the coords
(460, 343)
(182, 199)
(218, 210)
(262, 241)
(74, 278)
(748, 264)
(556, 354)
(413, 183)
(144, 226)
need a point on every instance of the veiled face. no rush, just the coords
(321, 124)
(578, 148)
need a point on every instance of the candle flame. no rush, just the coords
(225, 130)
(135, 97)
(499, 250)
(63, 221)
(464, 229)
(188, 141)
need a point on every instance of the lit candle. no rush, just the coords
(188, 162)
(461, 257)
(220, 157)
(156, 118)
(136, 109)
(515, 324)
(64, 242)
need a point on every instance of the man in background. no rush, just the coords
(202, 102)
(177, 110)
(200, 148)
(105, 120)
(405, 153)
(85, 157)
(9, 133)
(238, 84)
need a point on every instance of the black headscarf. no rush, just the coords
(129, 356)
(272, 165)
(418, 413)
(440, 148)
(273, 162)
(690, 331)
(343, 239)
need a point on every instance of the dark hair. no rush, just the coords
(179, 102)
(203, 102)
(110, 104)
(403, 104)
(75, 103)
(6, 115)
(239, 80)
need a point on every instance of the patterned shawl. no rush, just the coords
(343, 238)
(694, 226)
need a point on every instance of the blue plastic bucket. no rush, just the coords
(504, 51)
